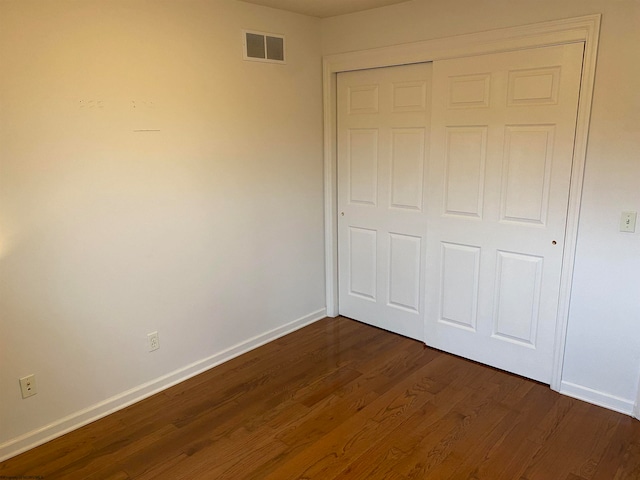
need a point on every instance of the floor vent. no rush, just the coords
(263, 47)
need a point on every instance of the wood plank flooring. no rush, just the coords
(343, 400)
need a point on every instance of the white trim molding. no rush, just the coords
(95, 412)
(572, 30)
(636, 407)
(596, 397)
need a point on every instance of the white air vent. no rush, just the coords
(263, 47)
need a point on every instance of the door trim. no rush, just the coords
(585, 29)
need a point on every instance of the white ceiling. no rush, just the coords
(324, 8)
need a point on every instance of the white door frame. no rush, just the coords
(584, 29)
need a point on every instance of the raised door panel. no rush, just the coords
(537, 86)
(517, 297)
(362, 262)
(363, 166)
(407, 167)
(464, 170)
(459, 284)
(404, 271)
(410, 96)
(363, 99)
(469, 91)
(528, 158)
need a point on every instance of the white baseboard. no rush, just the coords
(78, 419)
(596, 397)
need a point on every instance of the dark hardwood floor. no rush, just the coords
(343, 400)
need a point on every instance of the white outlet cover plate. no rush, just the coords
(28, 386)
(154, 342)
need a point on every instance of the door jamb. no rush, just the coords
(583, 29)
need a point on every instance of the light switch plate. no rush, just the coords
(628, 222)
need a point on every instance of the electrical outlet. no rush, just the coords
(154, 342)
(28, 386)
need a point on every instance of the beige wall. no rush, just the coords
(603, 345)
(209, 231)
